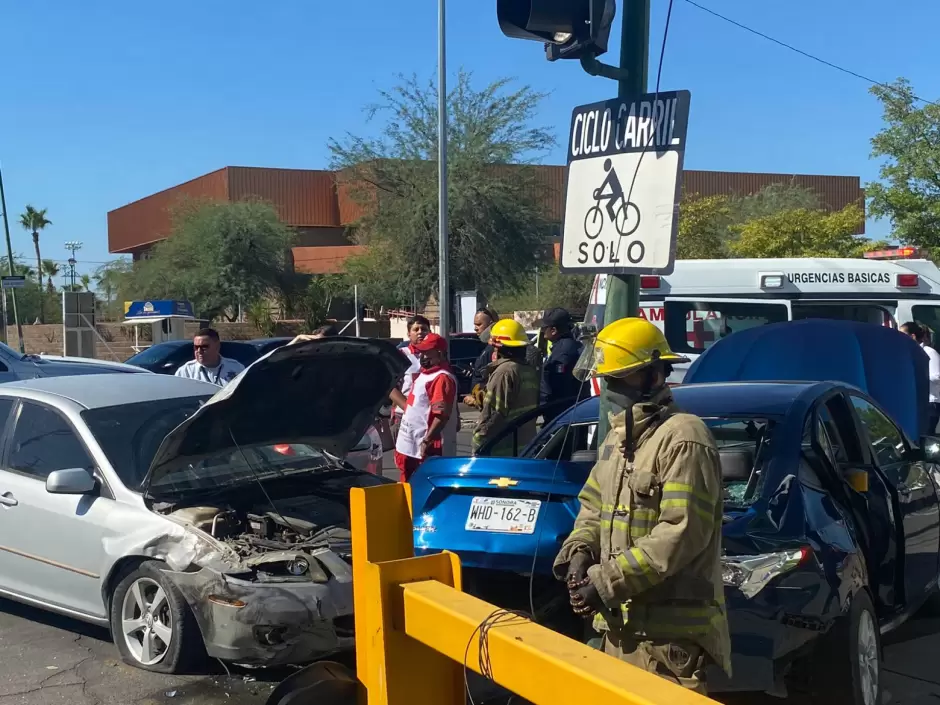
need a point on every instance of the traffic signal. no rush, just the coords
(570, 28)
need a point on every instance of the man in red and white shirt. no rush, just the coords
(430, 420)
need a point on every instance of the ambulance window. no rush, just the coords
(862, 313)
(928, 316)
(694, 326)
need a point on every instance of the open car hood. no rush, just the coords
(323, 393)
(881, 361)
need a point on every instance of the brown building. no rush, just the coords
(309, 201)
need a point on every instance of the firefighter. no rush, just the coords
(644, 556)
(512, 389)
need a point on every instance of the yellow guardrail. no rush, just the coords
(417, 632)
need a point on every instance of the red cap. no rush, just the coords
(432, 341)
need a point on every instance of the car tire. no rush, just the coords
(165, 637)
(848, 665)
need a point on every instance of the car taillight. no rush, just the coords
(908, 281)
(649, 282)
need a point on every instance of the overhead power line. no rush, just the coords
(801, 52)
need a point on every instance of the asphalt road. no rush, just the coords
(47, 660)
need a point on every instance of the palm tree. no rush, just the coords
(51, 269)
(34, 220)
(86, 282)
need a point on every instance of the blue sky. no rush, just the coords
(106, 102)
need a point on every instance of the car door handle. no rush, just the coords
(8, 499)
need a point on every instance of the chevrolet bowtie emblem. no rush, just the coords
(504, 482)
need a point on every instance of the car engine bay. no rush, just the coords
(272, 545)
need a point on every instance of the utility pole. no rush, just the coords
(623, 291)
(6, 230)
(443, 295)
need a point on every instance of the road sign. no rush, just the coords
(13, 282)
(624, 181)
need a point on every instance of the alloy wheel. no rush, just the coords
(146, 621)
(868, 665)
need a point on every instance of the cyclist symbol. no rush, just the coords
(625, 215)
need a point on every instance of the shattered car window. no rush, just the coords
(130, 434)
(744, 450)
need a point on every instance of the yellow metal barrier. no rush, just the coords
(416, 631)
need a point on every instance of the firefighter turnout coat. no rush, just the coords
(654, 526)
(512, 389)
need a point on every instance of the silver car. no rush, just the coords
(193, 524)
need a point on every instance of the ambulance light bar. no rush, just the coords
(905, 252)
(771, 280)
(649, 282)
(908, 281)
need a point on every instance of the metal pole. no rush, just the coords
(356, 304)
(6, 334)
(443, 295)
(623, 292)
(6, 230)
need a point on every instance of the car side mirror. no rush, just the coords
(71, 481)
(930, 449)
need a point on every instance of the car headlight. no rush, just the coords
(751, 574)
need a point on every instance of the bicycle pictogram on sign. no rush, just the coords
(624, 214)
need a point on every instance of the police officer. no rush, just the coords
(512, 389)
(645, 553)
(558, 381)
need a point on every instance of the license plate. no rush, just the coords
(503, 516)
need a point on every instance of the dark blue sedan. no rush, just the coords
(832, 516)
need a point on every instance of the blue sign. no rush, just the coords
(149, 309)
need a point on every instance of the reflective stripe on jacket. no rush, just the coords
(655, 527)
(512, 389)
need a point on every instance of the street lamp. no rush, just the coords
(72, 246)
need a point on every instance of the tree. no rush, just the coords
(703, 227)
(802, 233)
(771, 199)
(217, 256)
(85, 282)
(112, 280)
(34, 220)
(545, 289)
(496, 204)
(314, 304)
(51, 269)
(909, 191)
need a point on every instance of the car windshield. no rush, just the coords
(151, 356)
(16, 354)
(744, 447)
(131, 434)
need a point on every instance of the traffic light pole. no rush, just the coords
(623, 292)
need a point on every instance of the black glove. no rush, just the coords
(577, 569)
(585, 600)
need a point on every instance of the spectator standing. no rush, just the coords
(430, 420)
(921, 336)
(558, 381)
(418, 329)
(208, 364)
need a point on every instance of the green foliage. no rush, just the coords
(114, 283)
(34, 220)
(570, 291)
(259, 315)
(703, 227)
(802, 233)
(496, 205)
(771, 199)
(909, 144)
(219, 254)
(313, 305)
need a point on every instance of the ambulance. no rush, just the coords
(705, 300)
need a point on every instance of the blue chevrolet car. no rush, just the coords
(832, 504)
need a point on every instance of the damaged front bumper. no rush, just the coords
(272, 623)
